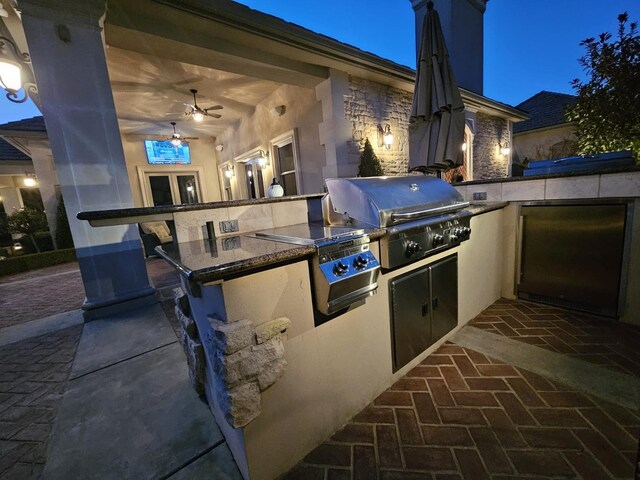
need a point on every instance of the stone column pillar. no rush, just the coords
(335, 129)
(68, 55)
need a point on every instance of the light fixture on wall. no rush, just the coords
(228, 172)
(504, 149)
(30, 180)
(464, 146)
(12, 65)
(263, 158)
(278, 111)
(387, 136)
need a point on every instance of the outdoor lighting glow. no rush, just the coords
(249, 173)
(189, 188)
(176, 142)
(17, 246)
(10, 77)
(198, 116)
(505, 151)
(29, 182)
(262, 161)
(387, 137)
(228, 172)
(464, 147)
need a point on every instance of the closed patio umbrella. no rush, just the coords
(436, 124)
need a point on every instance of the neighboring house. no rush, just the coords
(546, 134)
(28, 140)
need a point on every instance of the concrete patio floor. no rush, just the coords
(482, 406)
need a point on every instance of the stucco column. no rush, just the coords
(67, 51)
(335, 129)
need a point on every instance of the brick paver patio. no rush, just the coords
(461, 414)
(33, 375)
(598, 340)
(49, 291)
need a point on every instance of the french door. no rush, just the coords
(172, 188)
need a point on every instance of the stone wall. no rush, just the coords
(488, 161)
(370, 105)
(246, 359)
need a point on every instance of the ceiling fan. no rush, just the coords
(176, 139)
(198, 113)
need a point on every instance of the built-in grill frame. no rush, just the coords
(421, 215)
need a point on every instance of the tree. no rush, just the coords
(607, 113)
(63, 232)
(28, 221)
(369, 163)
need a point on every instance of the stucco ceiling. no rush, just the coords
(150, 92)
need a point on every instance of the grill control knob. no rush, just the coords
(438, 240)
(412, 248)
(340, 268)
(360, 262)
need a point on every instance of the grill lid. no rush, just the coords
(385, 201)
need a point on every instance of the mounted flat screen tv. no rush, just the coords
(160, 152)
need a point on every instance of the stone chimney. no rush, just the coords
(462, 25)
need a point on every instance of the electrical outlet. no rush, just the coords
(229, 226)
(231, 243)
(479, 195)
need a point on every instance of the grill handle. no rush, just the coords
(430, 211)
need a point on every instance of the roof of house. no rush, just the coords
(545, 109)
(10, 153)
(34, 124)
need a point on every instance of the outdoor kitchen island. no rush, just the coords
(277, 394)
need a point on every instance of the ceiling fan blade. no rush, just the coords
(214, 115)
(189, 105)
(190, 138)
(215, 107)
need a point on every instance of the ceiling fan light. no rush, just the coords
(198, 116)
(176, 142)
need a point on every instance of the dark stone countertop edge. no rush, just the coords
(480, 208)
(232, 269)
(550, 175)
(141, 211)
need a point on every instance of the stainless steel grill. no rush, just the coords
(421, 215)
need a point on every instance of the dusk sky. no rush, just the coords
(529, 46)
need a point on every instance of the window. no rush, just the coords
(226, 172)
(285, 162)
(251, 170)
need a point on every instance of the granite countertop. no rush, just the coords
(231, 256)
(480, 208)
(234, 255)
(169, 209)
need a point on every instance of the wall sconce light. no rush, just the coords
(387, 137)
(263, 159)
(504, 149)
(12, 63)
(278, 111)
(464, 146)
(228, 171)
(30, 180)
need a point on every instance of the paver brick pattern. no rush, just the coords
(33, 375)
(598, 340)
(461, 414)
(52, 290)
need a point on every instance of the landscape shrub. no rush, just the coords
(42, 239)
(24, 263)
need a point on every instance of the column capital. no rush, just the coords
(75, 12)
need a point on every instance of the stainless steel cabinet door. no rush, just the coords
(444, 297)
(410, 316)
(572, 255)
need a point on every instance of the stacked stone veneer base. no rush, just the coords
(246, 360)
